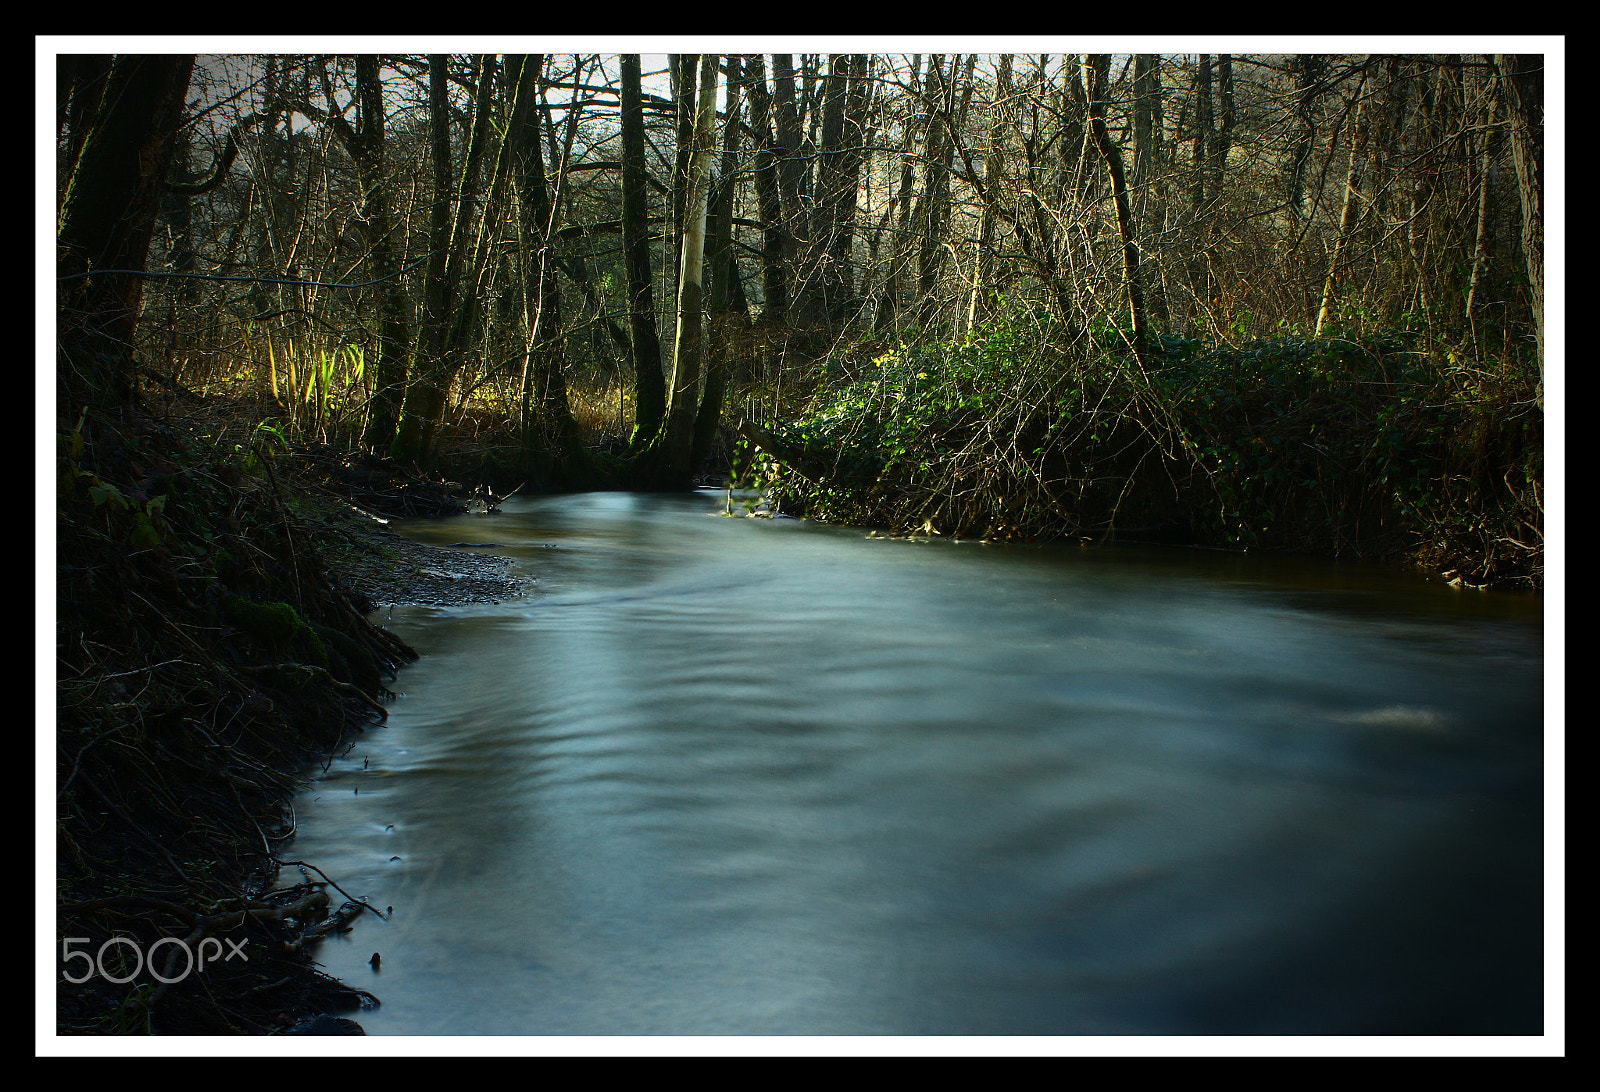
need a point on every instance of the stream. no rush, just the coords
(721, 776)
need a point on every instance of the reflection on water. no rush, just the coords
(718, 776)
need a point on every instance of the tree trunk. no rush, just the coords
(649, 384)
(1220, 142)
(1347, 215)
(1096, 71)
(124, 137)
(1075, 222)
(553, 442)
(1308, 68)
(1522, 86)
(1149, 208)
(365, 143)
(993, 171)
(889, 303)
(685, 79)
(725, 307)
(1480, 245)
(670, 455)
(1202, 131)
(774, 238)
(788, 133)
(425, 396)
(450, 310)
(847, 182)
(394, 339)
(933, 204)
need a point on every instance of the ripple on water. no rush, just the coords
(724, 777)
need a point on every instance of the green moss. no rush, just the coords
(276, 625)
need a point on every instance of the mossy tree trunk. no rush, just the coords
(666, 464)
(725, 303)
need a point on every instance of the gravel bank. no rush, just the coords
(365, 553)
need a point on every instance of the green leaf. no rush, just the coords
(106, 493)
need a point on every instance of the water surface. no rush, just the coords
(729, 777)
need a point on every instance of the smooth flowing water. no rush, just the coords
(766, 777)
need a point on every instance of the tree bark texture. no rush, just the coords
(123, 136)
(649, 382)
(425, 395)
(673, 446)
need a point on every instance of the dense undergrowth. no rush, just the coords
(205, 654)
(1376, 446)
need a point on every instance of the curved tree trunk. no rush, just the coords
(1097, 67)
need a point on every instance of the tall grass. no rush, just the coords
(317, 389)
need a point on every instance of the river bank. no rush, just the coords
(1384, 448)
(216, 643)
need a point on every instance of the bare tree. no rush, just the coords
(1348, 211)
(552, 441)
(1096, 75)
(365, 143)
